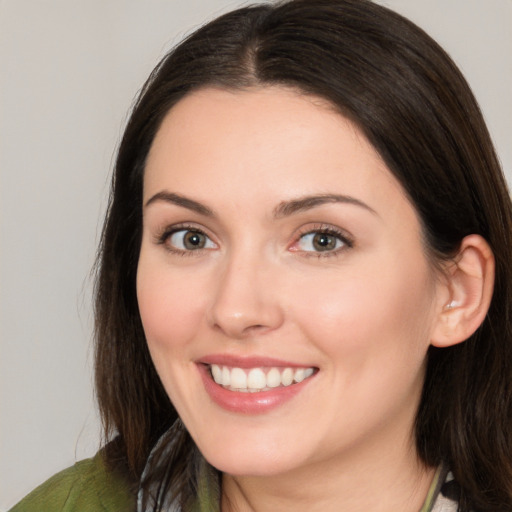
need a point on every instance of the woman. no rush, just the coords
(304, 285)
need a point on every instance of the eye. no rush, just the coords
(324, 240)
(189, 240)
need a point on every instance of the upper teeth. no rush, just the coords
(258, 379)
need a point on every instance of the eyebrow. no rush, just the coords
(283, 209)
(182, 201)
(286, 208)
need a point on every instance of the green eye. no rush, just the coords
(190, 240)
(320, 241)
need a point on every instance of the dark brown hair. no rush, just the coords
(414, 106)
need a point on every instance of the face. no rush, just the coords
(282, 283)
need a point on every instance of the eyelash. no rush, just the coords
(347, 241)
(166, 234)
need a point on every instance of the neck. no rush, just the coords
(393, 479)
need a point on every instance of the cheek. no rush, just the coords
(372, 311)
(170, 308)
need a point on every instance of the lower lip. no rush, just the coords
(249, 403)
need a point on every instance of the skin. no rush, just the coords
(362, 314)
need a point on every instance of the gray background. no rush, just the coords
(69, 70)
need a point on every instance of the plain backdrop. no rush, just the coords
(69, 70)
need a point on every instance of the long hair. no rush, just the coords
(413, 105)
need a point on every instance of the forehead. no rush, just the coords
(273, 141)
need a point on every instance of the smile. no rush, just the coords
(253, 380)
(253, 385)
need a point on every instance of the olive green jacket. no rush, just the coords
(85, 487)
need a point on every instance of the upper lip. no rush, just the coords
(248, 361)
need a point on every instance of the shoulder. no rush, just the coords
(87, 486)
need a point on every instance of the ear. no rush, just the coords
(467, 287)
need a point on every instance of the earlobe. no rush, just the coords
(469, 283)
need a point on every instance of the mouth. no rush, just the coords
(258, 379)
(253, 384)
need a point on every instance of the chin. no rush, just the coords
(255, 466)
(243, 456)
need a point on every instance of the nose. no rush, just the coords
(246, 301)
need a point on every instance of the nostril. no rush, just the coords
(240, 331)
